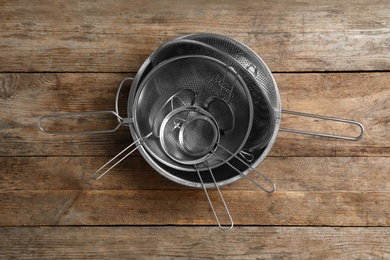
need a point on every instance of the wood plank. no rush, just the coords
(117, 37)
(360, 96)
(190, 207)
(26, 97)
(333, 196)
(194, 243)
(304, 174)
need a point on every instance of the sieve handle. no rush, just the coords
(136, 143)
(227, 228)
(118, 93)
(121, 121)
(250, 167)
(324, 118)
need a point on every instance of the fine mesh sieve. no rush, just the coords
(206, 77)
(198, 136)
(189, 135)
(263, 119)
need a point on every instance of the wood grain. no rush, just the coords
(190, 207)
(316, 191)
(81, 36)
(332, 199)
(194, 243)
(360, 96)
(303, 174)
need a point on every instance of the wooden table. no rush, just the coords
(333, 196)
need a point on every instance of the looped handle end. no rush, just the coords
(351, 138)
(75, 114)
(223, 228)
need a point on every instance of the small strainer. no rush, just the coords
(189, 135)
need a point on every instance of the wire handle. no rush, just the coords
(139, 141)
(211, 203)
(121, 121)
(324, 118)
(252, 169)
(118, 93)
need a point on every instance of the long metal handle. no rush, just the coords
(137, 143)
(324, 118)
(121, 121)
(250, 167)
(211, 203)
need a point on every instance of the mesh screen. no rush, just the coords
(261, 93)
(246, 57)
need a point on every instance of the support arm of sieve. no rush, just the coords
(135, 144)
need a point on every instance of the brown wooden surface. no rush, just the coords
(100, 36)
(197, 242)
(332, 198)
